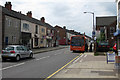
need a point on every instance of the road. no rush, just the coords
(42, 66)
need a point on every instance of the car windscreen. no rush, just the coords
(103, 43)
(9, 48)
(77, 41)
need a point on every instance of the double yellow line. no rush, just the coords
(62, 67)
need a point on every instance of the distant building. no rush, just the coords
(61, 35)
(42, 31)
(107, 25)
(64, 35)
(70, 33)
(50, 31)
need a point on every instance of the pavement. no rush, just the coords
(91, 67)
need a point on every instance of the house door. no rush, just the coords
(6, 40)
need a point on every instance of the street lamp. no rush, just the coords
(93, 33)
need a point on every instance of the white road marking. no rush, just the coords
(85, 55)
(82, 55)
(66, 70)
(57, 53)
(47, 56)
(37, 59)
(43, 58)
(81, 60)
(19, 64)
(12, 66)
(76, 59)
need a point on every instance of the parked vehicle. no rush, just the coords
(16, 52)
(103, 46)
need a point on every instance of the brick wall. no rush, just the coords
(61, 35)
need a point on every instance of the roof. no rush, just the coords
(105, 21)
(20, 16)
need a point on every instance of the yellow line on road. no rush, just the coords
(62, 67)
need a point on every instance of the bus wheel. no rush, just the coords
(73, 50)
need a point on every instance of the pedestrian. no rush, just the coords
(86, 47)
(90, 47)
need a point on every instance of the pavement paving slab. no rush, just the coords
(89, 66)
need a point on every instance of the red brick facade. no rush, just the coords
(61, 35)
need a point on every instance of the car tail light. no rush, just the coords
(2, 51)
(108, 46)
(12, 51)
(99, 46)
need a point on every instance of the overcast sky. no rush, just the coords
(67, 13)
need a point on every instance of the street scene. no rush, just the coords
(60, 40)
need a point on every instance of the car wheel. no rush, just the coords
(3, 59)
(31, 55)
(17, 58)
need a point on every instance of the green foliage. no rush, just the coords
(101, 38)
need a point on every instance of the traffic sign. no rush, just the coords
(93, 33)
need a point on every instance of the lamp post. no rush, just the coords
(93, 24)
(93, 32)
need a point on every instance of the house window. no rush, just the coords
(36, 29)
(9, 22)
(14, 39)
(112, 30)
(6, 40)
(52, 31)
(16, 24)
(25, 26)
(48, 31)
(41, 41)
(43, 30)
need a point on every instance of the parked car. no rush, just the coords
(16, 52)
(103, 46)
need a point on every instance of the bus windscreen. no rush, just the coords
(77, 41)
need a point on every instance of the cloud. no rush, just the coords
(67, 13)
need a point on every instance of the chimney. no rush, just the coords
(64, 27)
(19, 12)
(29, 14)
(43, 19)
(8, 5)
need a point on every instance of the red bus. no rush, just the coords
(77, 43)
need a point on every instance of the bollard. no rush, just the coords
(117, 62)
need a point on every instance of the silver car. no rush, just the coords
(16, 52)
